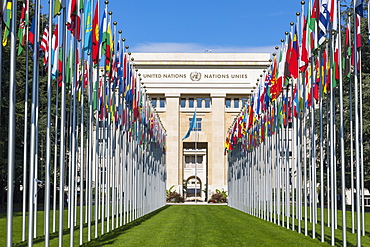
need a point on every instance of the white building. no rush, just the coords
(217, 85)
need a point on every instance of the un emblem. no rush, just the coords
(195, 76)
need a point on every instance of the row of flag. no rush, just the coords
(96, 40)
(114, 144)
(287, 161)
(302, 65)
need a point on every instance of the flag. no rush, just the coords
(193, 125)
(95, 36)
(31, 35)
(103, 32)
(88, 27)
(312, 25)
(23, 21)
(358, 32)
(324, 20)
(74, 19)
(304, 47)
(288, 56)
(72, 12)
(107, 38)
(44, 46)
(55, 51)
(334, 14)
(294, 55)
(347, 53)
(336, 64)
(7, 16)
(359, 9)
(57, 7)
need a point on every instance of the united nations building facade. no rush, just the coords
(216, 86)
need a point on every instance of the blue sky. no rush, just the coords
(199, 25)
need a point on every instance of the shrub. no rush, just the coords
(173, 196)
(219, 197)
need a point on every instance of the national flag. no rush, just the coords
(103, 32)
(192, 126)
(74, 19)
(334, 14)
(72, 12)
(288, 56)
(44, 46)
(304, 47)
(280, 75)
(31, 35)
(294, 56)
(95, 35)
(88, 27)
(347, 53)
(358, 32)
(55, 51)
(336, 63)
(107, 45)
(359, 8)
(57, 7)
(312, 25)
(7, 16)
(23, 22)
(324, 20)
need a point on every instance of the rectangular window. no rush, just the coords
(244, 101)
(207, 102)
(228, 102)
(191, 103)
(198, 126)
(189, 159)
(183, 103)
(236, 103)
(162, 103)
(154, 101)
(199, 102)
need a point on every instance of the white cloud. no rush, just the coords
(195, 48)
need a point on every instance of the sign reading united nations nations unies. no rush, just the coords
(185, 75)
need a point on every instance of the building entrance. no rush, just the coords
(195, 174)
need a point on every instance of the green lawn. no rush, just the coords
(204, 225)
(194, 225)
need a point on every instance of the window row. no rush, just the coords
(159, 102)
(235, 102)
(195, 102)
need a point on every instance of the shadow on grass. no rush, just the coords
(327, 237)
(110, 238)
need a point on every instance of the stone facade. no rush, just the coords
(217, 85)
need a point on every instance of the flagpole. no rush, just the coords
(343, 164)
(56, 56)
(362, 149)
(357, 148)
(62, 133)
(82, 116)
(33, 132)
(11, 134)
(24, 208)
(48, 144)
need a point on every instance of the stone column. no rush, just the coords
(173, 158)
(216, 166)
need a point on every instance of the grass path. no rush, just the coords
(203, 226)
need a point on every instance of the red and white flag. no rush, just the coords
(45, 44)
